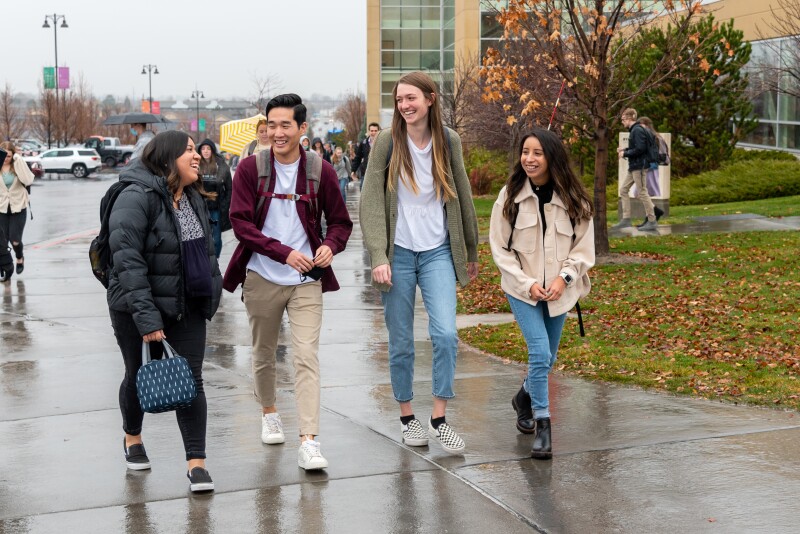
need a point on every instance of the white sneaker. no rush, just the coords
(447, 437)
(413, 434)
(272, 429)
(309, 456)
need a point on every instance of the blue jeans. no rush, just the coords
(216, 231)
(542, 334)
(435, 274)
(343, 187)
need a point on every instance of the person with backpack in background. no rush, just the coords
(261, 142)
(639, 156)
(416, 171)
(14, 202)
(216, 177)
(662, 158)
(542, 238)
(361, 159)
(164, 283)
(283, 263)
(341, 164)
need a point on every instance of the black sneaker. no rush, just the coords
(200, 480)
(20, 266)
(136, 457)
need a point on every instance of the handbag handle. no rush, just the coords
(168, 351)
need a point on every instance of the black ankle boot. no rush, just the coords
(542, 447)
(522, 405)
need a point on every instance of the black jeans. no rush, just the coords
(188, 338)
(11, 227)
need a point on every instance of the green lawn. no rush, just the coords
(716, 316)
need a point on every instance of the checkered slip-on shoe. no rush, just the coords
(447, 437)
(414, 435)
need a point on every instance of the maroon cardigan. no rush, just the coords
(247, 225)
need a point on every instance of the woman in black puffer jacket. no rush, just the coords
(165, 284)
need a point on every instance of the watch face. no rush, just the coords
(568, 278)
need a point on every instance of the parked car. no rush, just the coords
(111, 151)
(35, 166)
(81, 162)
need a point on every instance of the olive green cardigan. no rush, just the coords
(378, 211)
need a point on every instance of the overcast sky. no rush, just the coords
(313, 46)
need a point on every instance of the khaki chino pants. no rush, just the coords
(265, 303)
(639, 178)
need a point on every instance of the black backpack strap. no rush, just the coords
(580, 319)
(264, 167)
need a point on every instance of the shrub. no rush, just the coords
(755, 179)
(481, 180)
(741, 154)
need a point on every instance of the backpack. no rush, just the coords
(99, 249)
(266, 184)
(652, 146)
(663, 152)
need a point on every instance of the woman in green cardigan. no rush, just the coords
(420, 228)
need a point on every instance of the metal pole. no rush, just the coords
(55, 33)
(150, 80)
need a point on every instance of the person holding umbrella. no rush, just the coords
(143, 136)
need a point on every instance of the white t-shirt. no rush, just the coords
(283, 223)
(420, 218)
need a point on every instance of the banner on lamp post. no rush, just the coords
(49, 74)
(156, 109)
(63, 77)
(193, 126)
(145, 106)
(202, 125)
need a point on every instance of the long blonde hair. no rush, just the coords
(400, 163)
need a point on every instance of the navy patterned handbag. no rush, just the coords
(164, 385)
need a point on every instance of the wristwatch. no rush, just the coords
(567, 277)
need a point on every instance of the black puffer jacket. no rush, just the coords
(145, 241)
(221, 185)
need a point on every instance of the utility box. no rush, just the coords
(662, 179)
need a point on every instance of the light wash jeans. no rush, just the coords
(435, 274)
(542, 334)
(343, 187)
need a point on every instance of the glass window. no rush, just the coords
(410, 39)
(430, 39)
(448, 37)
(65, 153)
(411, 2)
(389, 58)
(387, 102)
(489, 26)
(431, 60)
(390, 17)
(411, 17)
(390, 39)
(449, 59)
(87, 152)
(50, 154)
(789, 136)
(430, 17)
(764, 134)
(409, 60)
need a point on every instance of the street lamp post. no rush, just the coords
(55, 18)
(197, 94)
(150, 70)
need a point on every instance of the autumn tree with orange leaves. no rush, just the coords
(576, 39)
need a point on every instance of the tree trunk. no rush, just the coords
(600, 180)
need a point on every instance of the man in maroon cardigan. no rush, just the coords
(278, 248)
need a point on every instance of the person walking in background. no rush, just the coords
(653, 185)
(216, 178)
(165, 283)
(542, 239)
(283, 263)
(361, 159)
(432, 243)
(305, 143)
(327, 152)
(316, 146)
(14, 201)
(261, 142)
(143, 136)
(638, 158)
(341, 164)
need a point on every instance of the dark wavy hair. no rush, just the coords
(565, 181)
(160, 156)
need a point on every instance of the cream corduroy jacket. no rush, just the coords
(16, 196)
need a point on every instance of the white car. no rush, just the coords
(80, 162)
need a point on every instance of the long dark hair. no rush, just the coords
(400, 163)
(565, 181)
(161, 154)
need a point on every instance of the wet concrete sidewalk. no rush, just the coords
(625, 460)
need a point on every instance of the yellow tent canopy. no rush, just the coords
(235, 135)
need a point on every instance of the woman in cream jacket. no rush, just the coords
(542, 240)
(16, 176)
